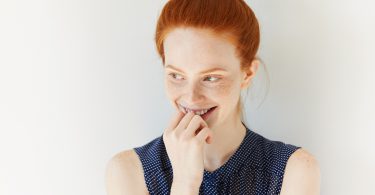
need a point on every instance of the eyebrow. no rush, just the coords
(203, 72)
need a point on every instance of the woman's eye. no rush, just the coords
(176, 76)
(212, 79)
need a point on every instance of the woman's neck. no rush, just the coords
(226, 140)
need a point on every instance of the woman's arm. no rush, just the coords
(302, 175)
(124, 175)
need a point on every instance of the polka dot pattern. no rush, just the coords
(257, 167)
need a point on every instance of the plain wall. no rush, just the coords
(81, 81)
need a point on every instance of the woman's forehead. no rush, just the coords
(197, 49)
(197, 41)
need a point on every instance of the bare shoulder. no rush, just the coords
(302, 174)
(124, 174)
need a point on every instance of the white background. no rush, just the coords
(80, 81)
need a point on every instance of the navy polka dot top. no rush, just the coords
(256, 167)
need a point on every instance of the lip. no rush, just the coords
(209, 113)
(194, 110)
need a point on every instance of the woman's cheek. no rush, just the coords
(222, 89)
(172, 89)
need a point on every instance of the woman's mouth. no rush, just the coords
(204, 113)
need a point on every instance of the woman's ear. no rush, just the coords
(249, 73)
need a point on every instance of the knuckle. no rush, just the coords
(196, 142)
(174, 136)
(204, 130)
(184, 136)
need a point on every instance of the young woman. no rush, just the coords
(208, 49)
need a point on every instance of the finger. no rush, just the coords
(195, 125)
(205, 135)
(184, 122)
(175, 120)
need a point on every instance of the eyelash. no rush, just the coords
(173, 76)
(217, 79)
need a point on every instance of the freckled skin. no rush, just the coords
(196, 50)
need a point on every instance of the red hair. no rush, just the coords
(232, 19)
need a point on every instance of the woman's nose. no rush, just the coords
(193, 94)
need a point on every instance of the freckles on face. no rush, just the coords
(218, 90)
(193, 54)
(224, 87)
(226, 91)
(221, 89)
(171, 89)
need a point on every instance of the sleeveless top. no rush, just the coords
(256, 167)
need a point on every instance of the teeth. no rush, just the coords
(201, 112)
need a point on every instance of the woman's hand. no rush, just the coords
(184, 140)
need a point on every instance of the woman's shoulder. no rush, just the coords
(273, 154)
(126, 159)
(302, 174)
(124, 174)
(153, 155)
